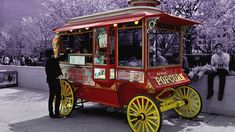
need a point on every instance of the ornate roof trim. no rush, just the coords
(116, 13)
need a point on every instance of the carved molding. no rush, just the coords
(150, 88)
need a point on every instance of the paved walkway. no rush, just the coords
(25, 110)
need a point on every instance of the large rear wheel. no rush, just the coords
(192, 100)
(143, 115)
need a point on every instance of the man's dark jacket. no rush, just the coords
(53, 70)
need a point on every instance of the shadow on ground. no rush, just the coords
(98, 118)
(92, 119)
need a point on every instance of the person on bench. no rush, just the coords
(220, 60)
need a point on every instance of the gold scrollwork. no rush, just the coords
(97, 85)
(113, 87)
(152, 23)
(55, 44)
(150, 87)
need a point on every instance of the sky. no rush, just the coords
(12, 11)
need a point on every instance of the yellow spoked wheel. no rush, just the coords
(143, 115)
(192, 100)
(67, 99)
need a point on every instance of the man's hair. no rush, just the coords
(48, 53)
(218, 44)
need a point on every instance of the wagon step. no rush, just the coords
(171, 104)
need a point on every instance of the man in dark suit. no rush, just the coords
(53, 71)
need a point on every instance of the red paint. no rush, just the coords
(167, 77)
(100, 95)
(127, 90)
(117, 92)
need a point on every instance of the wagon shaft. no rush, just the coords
(170, 104)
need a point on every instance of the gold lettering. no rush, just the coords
(178, 78)
(171, 78)
(158, 80)
(163, 80)
(175, 77)
(167, 79)
(182, 77)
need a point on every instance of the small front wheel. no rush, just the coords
(192, 100)
(143, 115)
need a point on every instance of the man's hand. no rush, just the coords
(60, 77)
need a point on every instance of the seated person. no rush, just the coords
(197, 73)
(134, 62)
(84, 50)
(160, 60)
(185, 65)
(96, 60)
(100, 59)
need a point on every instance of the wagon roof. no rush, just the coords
(121, 16)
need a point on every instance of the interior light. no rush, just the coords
(71, 30)
(115, 25)
(87, 28)
(136, 22)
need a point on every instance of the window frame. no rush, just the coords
(77, 32)
(142, 43)
(180, 48)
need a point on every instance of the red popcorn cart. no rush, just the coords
(129, 58)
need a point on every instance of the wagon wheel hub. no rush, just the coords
(141, 117)
(185, 101)
(62, 97)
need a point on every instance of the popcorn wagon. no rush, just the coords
(129, 58)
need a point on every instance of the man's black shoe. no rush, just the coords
(220, 98)
(57, 116)
(52, 115)
(209, 96)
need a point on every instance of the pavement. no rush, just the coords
(25, 110)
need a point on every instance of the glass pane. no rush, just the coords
(75, 43)
(101, 46)
(112, 74)
(99, 73)
(132, 76)
(163, 48)
(77, 60)
(130, 47)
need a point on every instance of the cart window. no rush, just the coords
(80, 43)
(112, 73)
(99, 73)
(130, 47)
(100, 46)
(163, 48)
